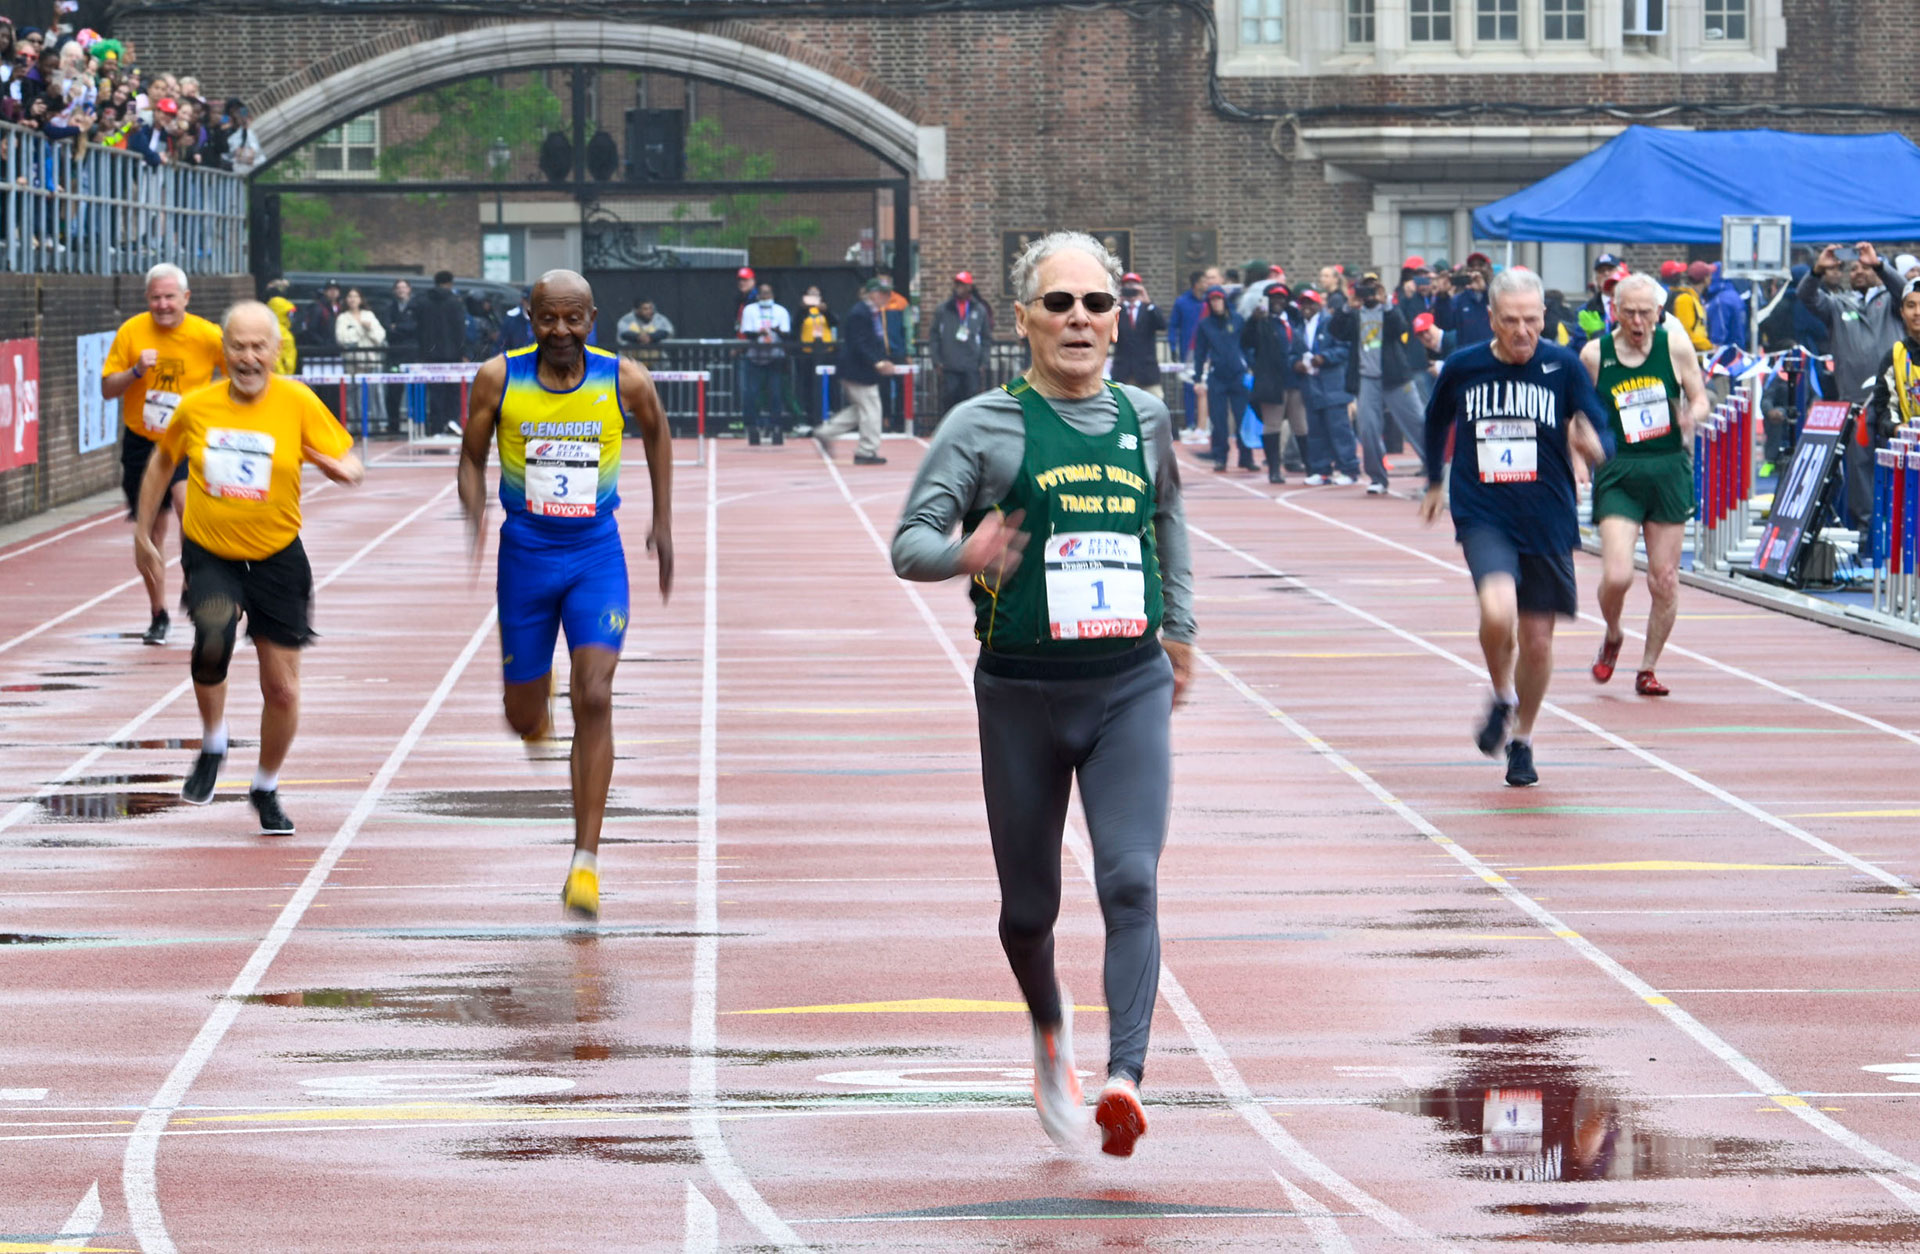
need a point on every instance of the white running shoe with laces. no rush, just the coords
(1056, 1085)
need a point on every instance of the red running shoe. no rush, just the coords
(1603, 662)
(1121, 1119)
(1647, 686)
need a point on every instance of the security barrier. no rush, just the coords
(1722, 480)
(1895, 535)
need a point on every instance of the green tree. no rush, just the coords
(710, 158)
(467, 118)
(314, 237)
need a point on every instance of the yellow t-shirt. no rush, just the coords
(243, 464)
(189, 358)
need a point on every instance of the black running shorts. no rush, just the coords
(1543, 582)
(275, 593)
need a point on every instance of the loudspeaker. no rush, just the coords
(656, 145)
(603, 158)
(556, 157)
(263, 239)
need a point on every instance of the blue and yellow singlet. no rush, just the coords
(560, 451)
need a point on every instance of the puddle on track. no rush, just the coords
(625, 1150)
(93, 807)
(521, 803)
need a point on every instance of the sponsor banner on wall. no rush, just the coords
(19, 403)
(99, 417)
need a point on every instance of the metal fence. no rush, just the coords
(67, 210)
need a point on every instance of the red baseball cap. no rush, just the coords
(1614, 278)
(167, 106)
(1672, 269)
(746, 272)
(1414, 261)
(965, 276)
(1130, 277)
(1307, 293)
(1482, 258)
(1421, 322)
(1699, 272)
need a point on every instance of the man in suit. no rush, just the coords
(1321, 364)
(1135, 356)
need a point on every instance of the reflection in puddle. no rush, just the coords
(631, 1150)
(521, 803)
(1522, 1109)
(42, 687)
(495, 998)
(119, 781)
(88, 807)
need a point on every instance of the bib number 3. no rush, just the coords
(1507, 450)
(1096, 586)
(563, 478)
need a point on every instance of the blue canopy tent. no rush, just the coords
(1649, 186)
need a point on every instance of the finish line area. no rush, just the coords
(1662, 999)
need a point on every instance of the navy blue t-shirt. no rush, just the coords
(1511, 471)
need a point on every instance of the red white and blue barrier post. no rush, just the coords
(1879, 538)
(1910, 528)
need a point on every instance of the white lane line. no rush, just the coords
(1907, 1196)
(1219, 1062)
(1705, 1037)
(1729, 799)
(703, 1224)
(82, 1224)
(31, 805)
(137, 1169)
(109, 516)
(703, 1080)
(1726, 668)
(1321, 1224)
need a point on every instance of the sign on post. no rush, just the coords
(1755, 247)
(99, 417)
(19, 403)
(1795, 517)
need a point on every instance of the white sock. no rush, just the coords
(1523, 740)
(583, 859)
(214, 740)
(265, 780)
(1509, 697)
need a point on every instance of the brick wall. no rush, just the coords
(56, 309)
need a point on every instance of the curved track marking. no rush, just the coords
(26, 808)
(703, 1081)
(1722, 795)
(1706, 1037)
(137, 1165)
(1218, 1061)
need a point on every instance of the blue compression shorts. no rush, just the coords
(544, 586)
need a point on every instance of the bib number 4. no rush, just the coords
(1507, 450)
(1096, 586)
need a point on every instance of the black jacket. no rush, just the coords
(1268, 342)
(443, 325)
(861, 346)
(1135, 360)
(1395, 335)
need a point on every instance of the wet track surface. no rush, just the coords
(1664, 1000)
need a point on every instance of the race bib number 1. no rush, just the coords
(157, 412)
(1096, 586)
(238, 465)
(1507, 450)
(563, 478)
(1645, 413)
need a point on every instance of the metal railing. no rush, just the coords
(67, 210)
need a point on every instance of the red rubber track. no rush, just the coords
(1371, 1036)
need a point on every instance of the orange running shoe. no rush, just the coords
(1647, 686)
(1120, 1116)
(1056, 1085)
(1604, 661)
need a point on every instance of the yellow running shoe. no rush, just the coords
(581, 893)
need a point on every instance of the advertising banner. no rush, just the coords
(1794, 518)
(99, 417)
(19, 403)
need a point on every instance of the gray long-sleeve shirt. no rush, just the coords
(1862, 327)
(975, 455)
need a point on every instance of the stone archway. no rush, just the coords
(350, 84)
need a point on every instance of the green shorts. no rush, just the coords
(1644, 489)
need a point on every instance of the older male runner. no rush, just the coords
(157, 358)
(243, 442)
(561, 408)
(1517, 407)
(1085, 649)
(1647, 488)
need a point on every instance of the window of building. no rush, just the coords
(1726, 20)
(351, 150)
(1564, 21)
(1430, 21)
(1263, 22)
(1427, 235)
(1359, 21)
(1496, 21)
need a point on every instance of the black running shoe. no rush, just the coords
(753, 435)
(273, 820)
(157, 629)
(1520, 772)
(779, 436)
(198, 790)
(1492, 735)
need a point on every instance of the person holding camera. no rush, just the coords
(1861, 327)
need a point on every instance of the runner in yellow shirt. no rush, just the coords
(243, 442)
(157, 357)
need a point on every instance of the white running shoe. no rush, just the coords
(1342, 478)
(1056, 1085)
(1376, 489)
(1316, 481)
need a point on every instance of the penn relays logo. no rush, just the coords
(1070, 547)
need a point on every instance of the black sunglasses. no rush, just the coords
(1096, 302)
